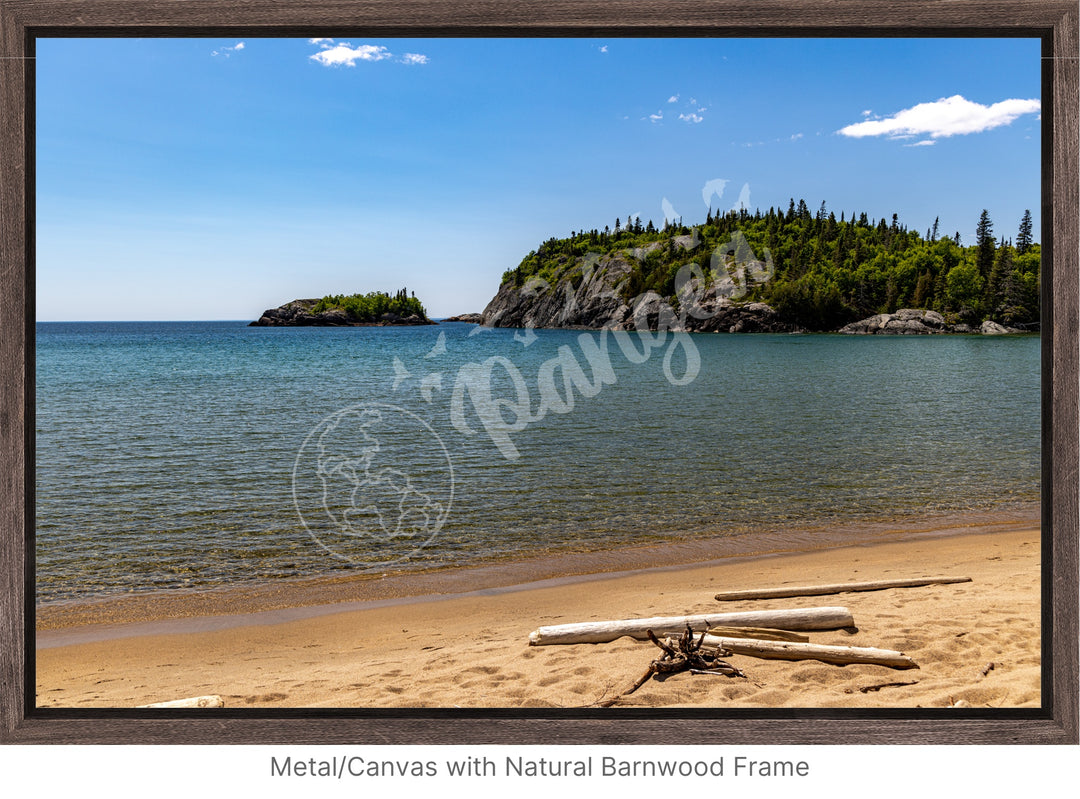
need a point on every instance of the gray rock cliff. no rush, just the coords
(589, 295)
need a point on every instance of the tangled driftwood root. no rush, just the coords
(684, 655)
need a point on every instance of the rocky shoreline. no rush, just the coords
(470, 318)
(910, 321)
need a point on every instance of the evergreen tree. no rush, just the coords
(984, 241)
(1023, 238)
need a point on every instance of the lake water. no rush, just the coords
(203, 454)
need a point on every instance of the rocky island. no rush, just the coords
(776, 272)
(470, 318)
(374, 309)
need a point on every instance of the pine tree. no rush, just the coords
(934, 230)
(1023, 238)
(984, 240)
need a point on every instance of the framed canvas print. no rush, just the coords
(486, 374)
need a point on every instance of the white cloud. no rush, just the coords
(603, 48)
(867, 112)
(691, 118)
(414, 58)
(796, 136)
(321, 42)
(657, 116)
(949, 116)
(673, 99)
(923, 143)
(348, 55)
(225, 52)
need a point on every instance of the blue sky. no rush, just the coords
(215, 178)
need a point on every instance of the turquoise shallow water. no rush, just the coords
(201, 454)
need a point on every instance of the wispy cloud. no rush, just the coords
(345, 53)
(796, 136)
(322, 42)
(688, 111)
(923, 143)
(225, 52)
(414, 58)
(603, 48)
(949, 116)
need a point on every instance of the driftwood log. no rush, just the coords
(786, 650)
(837, 588)
(760, 633)
(686, 655)
(599, 632)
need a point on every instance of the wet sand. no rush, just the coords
(416, 643)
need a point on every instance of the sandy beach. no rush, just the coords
(472, 649)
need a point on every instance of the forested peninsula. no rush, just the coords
(353, 310)
(792, 270)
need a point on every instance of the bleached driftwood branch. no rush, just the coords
(837, 588)
(787, 650)
(599, 632)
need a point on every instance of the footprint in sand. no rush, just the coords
(486, 669)
(275, 697)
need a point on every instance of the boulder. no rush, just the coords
(906, 321)
(989, 328)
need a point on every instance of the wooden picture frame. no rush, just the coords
(1054, 22)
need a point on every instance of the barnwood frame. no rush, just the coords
(1054, 22)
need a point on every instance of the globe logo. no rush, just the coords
(373, 484)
